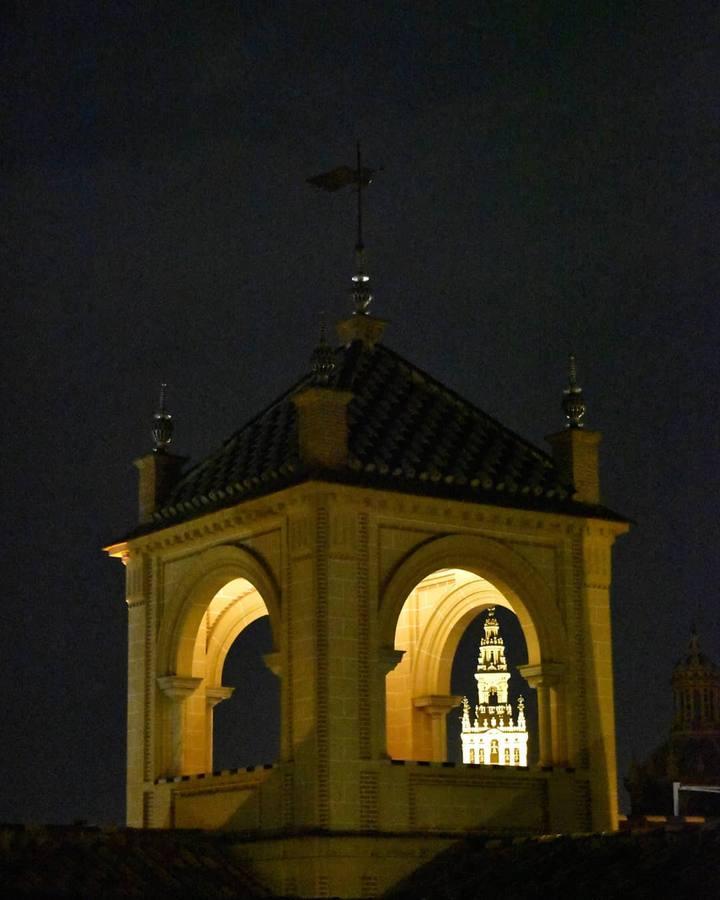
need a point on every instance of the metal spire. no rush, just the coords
(361, 177)
(162, 429)
(573, 403)
(323, 359)
(360, 291)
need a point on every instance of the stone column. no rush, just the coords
(388, 658)
(437, 706)
(177, 689)
(546, 680)
(213, 696)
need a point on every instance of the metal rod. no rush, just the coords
(359, 245)
(699, 788)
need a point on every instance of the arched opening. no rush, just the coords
(463, 683)
(419, 694)
(234, 641)
(221, 641)
(246, 726)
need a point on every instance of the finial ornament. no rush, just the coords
(573, 403)
(360, 291)
(323, 359)
(162, 429)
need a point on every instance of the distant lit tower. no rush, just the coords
(493, 738)
(696, 691)
(690, 753)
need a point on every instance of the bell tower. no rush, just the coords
(493, 738)
(370, 513)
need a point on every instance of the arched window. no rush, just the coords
(428, 630)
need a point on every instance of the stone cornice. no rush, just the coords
(457, 514)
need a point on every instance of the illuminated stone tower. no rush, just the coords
(493, 738)
(370, 513)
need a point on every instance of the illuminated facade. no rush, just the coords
(493, 738)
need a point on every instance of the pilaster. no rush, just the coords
(157, 473)
(575, 451)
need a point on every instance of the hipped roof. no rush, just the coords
(407, 432)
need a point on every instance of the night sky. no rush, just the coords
(550, 184)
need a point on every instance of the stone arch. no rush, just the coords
(418, 690)
(528, 595)
(226, 589)
(210, 572)
(447, 623)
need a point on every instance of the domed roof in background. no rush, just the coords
(691, 754)
(694, 659)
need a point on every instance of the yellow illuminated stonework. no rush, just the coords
(368, 590)
(491, 736)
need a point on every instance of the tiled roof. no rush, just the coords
(407, 432)
(680, 861)
(83, 862)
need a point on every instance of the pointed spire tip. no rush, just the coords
(573, 404)
(162, 428)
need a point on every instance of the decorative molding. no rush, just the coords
(288, 800)
(273, 661)
(369, 794)
(322, 662)
(147, 808)
(577, 636)
(178, 687)
(300, 535)
(363, 637)
(149, 675)
(546, 674)
(388, 658)
(215, 695)
(458, 512)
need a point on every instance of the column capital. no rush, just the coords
(273, 661)
(545, 674)
(437, 704)
(215, 695)
(388, 658)
(178, 687)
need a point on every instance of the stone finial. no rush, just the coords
(322, 360)
(162, 429)
(360, 292)
(575, 449)
(573, 404)
(158, 470)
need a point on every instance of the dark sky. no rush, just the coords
(550, 184)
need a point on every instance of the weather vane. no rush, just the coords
(338, 178)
